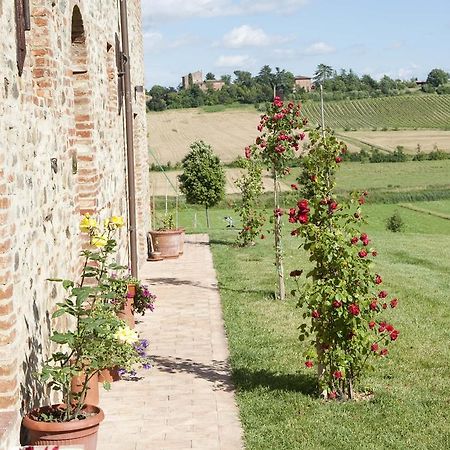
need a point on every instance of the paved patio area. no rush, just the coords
(186, 400)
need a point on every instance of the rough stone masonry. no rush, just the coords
(62, 153)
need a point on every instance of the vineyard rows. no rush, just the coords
(418, 111)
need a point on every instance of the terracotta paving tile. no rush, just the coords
(186, 400)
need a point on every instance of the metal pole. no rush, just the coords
(129, 137)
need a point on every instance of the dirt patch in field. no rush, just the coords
(409, 139)
(166, 183)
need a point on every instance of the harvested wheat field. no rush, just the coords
(228, 132)
(166, 183)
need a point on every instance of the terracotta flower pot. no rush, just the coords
(167, 242)
(127, 312)
(92, 395)
(77, 432)
(109, 375)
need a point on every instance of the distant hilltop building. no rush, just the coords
(304, 82)
(196, 79)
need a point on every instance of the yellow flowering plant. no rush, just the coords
(98, 339)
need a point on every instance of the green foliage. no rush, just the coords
(395, 223)
(341, 297)
(250, 185)
(98, 339)
(203, 178)
(437, 77)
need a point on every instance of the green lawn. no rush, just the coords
(277, 394)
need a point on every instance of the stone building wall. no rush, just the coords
(62, 153)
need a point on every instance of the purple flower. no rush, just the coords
(121, 372)
(147, 366)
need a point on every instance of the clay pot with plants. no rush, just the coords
(167, 238)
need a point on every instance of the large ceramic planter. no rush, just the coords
(126, 313)
(167, 242)
(92, 394)
(109, 375)
(77, 432)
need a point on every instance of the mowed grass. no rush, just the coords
(407, 176)
(277, 395)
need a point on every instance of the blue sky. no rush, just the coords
(399, 38)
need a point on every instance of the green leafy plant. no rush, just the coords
(97, 339)
(203, 177)
(167, 223)
(342, 298)
(281, 131)
(250, 185)
(395, 223)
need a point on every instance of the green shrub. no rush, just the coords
(395, 223)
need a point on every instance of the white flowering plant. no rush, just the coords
(98, 338)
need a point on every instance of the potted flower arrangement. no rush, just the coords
(96, 339)
(167, 239)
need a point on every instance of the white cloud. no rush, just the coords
(154, 41)
(246, 36)
(233, 61)
(178, 9)
(318, 48)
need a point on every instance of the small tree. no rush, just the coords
(203, 178)
(437, 77)
(395, 223)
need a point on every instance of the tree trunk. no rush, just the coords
(207, 215)
(281, 294)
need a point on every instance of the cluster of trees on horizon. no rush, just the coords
(248, 89)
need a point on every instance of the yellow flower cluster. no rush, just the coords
(98, 238)
(126, 335)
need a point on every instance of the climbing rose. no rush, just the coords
(384, 352)
(394, 303)
(354, 309)
(394, 335)
(309, 364)
(337, 374)
(389, 328)
(384, 305)
(374, 347)
(372, 324)
(338, 159)
(278, 212)
(337, 304)
(373, 305)
(315, 314)
(374, 253)
(362, 253)
(378, 279)
(294, 187)
(362, 200)
(354, 240)
(248, 152)
(382, 294)
(303, 205)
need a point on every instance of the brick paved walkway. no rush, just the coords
(186, 400)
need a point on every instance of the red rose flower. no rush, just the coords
(248, 152)
(332, 206)
(338, 159)
(362, 253)
(384, 352)
(303, 205)
(365, 193)
(337, 374)
(373, 305)
(384, 305)
(354, 240)
(394, 335)
(315, 314)
(374, 347)
(363, 237)
(382, 294)
(362, 200)
(394, 303)
(374, 253)
(278, 212)
(295, 232)
(378, 279)
(303, 218)
(294, 186)
(372, 324)
(309, 364)
(366, 242)
(354, 309)
(389, 328)
(313, 178)
(302, 136)
(337, 304)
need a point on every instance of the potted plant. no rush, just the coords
(96, 339)
(167, 238)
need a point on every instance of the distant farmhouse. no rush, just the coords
(304, 82)
(196, 79)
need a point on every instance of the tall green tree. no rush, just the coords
(322, 73)
(210, 76)
(437, 77)
(203, 177)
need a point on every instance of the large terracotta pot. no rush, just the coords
(92, 395)
(167, 242)
(127, 311)
(77, 432)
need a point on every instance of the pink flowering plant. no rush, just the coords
(348, 310)
(281, 131)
